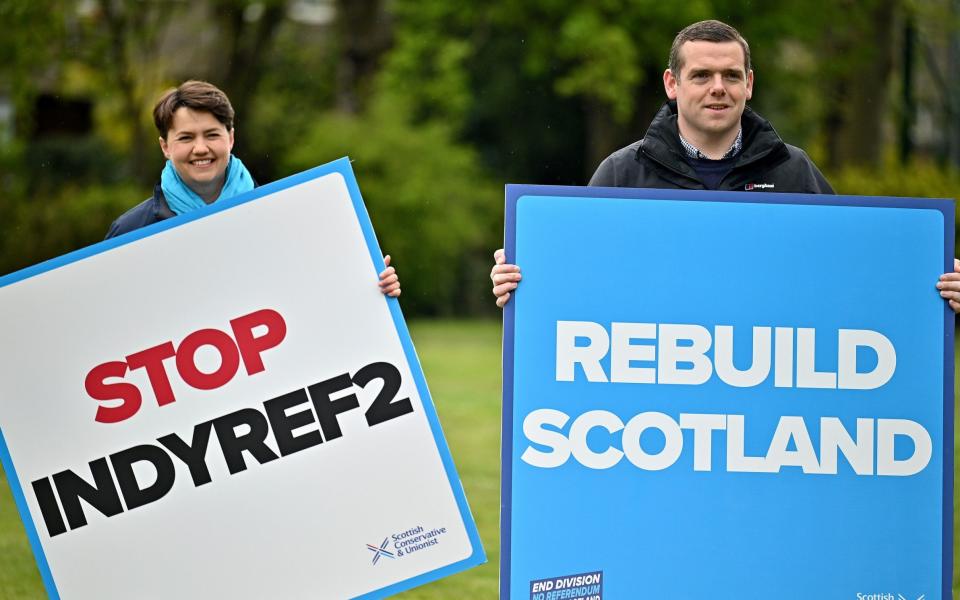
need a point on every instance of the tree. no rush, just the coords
(125, 35)
(856, 79)
(545, 89)
(433, 206)
(247, 42)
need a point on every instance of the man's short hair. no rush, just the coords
(195, 95)
(706, 31)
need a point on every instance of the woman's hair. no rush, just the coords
(196, 95)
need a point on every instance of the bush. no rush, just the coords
(43, 228)
(59, 161)
(915, 180)
(434, 209)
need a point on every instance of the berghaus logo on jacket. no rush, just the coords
(758, 186)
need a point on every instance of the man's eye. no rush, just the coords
(183, 139)
(699, 76)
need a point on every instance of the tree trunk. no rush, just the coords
(365, 32)
(859, 63)
(603, 136)
(247, 44)
(118, 25)
(908, 108)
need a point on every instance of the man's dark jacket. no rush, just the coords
(765, 163)
(149, 211)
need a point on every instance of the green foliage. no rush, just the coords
(297, 87)
(43, 228)
(527, 91)
(524, 81)
(438, 63)
(33, 33)
(60, 161)
(434, 209)
(605, 63)
(916, 180)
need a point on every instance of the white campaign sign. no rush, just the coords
(281, 461)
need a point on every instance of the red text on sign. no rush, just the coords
(245, 345)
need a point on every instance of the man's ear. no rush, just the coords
(670, 84)
(163, 147)
(750, 84)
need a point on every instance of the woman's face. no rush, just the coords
(199, 147)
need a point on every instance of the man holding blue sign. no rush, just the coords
(646, 454)
(705, 137)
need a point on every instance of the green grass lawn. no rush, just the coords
(462, 364)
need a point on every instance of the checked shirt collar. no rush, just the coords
(694, 152)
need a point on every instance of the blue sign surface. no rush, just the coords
(727, 395)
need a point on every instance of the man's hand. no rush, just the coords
(389, 282)
(506, 277)
(949, 286)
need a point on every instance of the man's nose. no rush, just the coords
(716, 85)
(200, 146)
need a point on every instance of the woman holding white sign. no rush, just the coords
(195, 122)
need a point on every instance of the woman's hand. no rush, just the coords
(389, 281)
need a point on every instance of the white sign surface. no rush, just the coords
(224, 405)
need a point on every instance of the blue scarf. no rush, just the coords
(181, 199)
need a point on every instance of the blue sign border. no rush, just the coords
(514, 192)
(341, 166)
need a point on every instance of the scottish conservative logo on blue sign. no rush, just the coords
(711, 396)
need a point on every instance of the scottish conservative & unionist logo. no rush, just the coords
(404, 543)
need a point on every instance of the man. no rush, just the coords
(195, 123)
(705, 137)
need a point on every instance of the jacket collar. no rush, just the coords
(662, 141)
(161, 210)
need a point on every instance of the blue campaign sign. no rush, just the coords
(726, 395)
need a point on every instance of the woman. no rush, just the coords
(195, 122)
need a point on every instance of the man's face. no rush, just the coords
(199, 147)
(711, 90)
